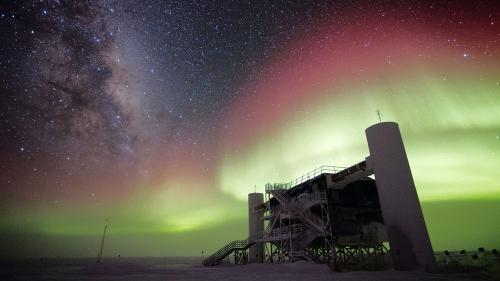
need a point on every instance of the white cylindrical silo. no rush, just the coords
(408, 237)
(255, 227)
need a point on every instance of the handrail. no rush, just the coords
(282, 232)
(226, 250)
(305, 177)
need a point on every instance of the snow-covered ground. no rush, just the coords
(275, 272)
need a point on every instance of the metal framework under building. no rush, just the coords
(340, 215)
(309, 221)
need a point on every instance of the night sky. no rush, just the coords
(162, 116)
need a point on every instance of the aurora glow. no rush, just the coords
(182, 186)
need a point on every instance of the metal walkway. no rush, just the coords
(217, 257)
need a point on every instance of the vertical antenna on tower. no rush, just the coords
(379, 118)
(99, 255)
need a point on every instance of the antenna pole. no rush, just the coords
(379, 118)
(99, 256)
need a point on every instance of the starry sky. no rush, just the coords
(163, 115)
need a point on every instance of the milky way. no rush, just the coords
(162, 116)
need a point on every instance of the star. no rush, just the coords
(124, 98)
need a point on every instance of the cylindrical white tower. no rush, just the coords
(410, 244)
(255, 227)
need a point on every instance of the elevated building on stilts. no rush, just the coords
(364, 214)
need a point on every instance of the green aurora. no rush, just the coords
(451, 137)
(308, 106)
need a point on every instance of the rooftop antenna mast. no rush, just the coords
(99, 255)
(379, 118)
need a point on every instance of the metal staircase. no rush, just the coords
(292, 226)
(281, 196)
(282, 233)
(310, 220)
(219, 256)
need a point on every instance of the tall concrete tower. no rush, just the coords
(255, 227)
(410, 244)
